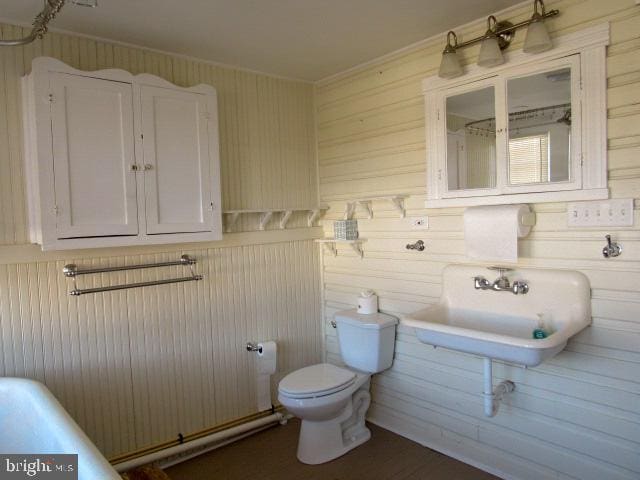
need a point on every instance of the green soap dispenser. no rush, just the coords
(540, 331)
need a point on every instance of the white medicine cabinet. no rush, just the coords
(531, 130)
(114, 159)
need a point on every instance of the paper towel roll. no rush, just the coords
(267, 358)
(368, 302)
(491, 232)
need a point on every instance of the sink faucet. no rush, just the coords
(501, 284)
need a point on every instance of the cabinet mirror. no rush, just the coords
(531, 130)
(539, 127)
(471, 140)
(525, 134)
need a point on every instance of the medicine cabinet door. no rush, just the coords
(93, 156)
(470, 132)
(177, 161)
(544, 118)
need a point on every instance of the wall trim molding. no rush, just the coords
(435, 41)
(95, 38)
(30, 253)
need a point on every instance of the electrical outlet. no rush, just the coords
(605, 213)
(420, 223)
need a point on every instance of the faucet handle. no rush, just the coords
(520, 286)
(481, 283)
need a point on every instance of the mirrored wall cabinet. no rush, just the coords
(530, 130)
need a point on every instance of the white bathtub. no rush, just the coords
(39, 424)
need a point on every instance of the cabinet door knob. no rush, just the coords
(148, 166)
(135, 168)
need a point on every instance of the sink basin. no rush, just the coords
(499, 325)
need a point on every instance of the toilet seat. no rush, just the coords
(316, 381)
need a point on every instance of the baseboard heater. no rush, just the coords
(216, 439)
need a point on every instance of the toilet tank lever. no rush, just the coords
(253, 347)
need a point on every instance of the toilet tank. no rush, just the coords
(366, 341)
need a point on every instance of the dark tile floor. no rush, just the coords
(271, 455)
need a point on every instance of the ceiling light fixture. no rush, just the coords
(498, 37)
(48, 13)
(85, 3)
(41, 22)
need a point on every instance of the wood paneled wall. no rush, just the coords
(137, 367)
(576, 416)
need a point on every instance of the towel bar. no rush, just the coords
(77, 292)
(71, 270)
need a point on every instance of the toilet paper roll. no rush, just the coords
(491, 232)
(267, 358)
(368, 302)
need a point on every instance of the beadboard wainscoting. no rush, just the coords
(137, 367)
(576, 416)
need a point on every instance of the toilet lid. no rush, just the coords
(316, 381)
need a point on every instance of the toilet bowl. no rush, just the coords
(337, 403)
(332, 401)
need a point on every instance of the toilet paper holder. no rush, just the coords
(528, 219)
(253, 347)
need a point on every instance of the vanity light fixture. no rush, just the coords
(450, 65)
(490, 53)
(537, 39)
(498, 37)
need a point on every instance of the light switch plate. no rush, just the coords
(605, 213)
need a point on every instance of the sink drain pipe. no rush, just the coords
(493, 397)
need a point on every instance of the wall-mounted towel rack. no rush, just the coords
(72, 271)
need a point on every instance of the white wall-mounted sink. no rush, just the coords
(498, 324)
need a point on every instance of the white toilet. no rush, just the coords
(332, 401)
